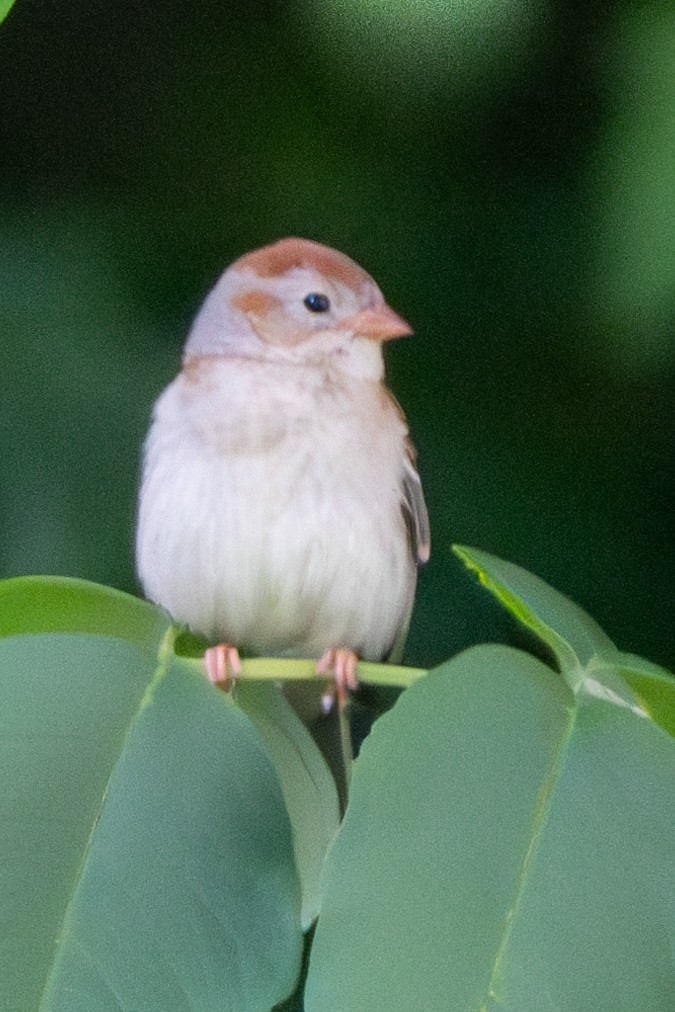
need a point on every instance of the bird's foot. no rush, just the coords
(341, 663)
(222, 665)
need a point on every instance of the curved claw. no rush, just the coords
(342, 663)
(222, 665)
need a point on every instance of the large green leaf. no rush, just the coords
(507, 845)
(308, 787)
(572, 635)
(590, 663)
(147, 859)
(38, 604)
(653, 686)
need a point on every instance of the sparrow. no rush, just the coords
(280, 510)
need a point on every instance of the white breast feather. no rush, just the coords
(268, 519)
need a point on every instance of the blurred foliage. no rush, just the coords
(634, 267)
(506, 173)
(5, 7)
(442, 46)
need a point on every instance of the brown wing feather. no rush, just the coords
(415, 508)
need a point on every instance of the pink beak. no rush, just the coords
(381, 324)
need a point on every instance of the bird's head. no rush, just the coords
(297, 300)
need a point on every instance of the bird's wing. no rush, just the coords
(415, 508)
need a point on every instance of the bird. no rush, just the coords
(281, 511)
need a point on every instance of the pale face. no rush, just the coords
(301, 305)
(297, 300)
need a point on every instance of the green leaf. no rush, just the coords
(5, 7)
(507, 845)
(572, 635)
(653, 686)
(307, 785)
(39, 604)
(147, 859)
(589, 661)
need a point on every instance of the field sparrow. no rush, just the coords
(281, 512)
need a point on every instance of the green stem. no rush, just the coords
(289, 669)
(346, 745)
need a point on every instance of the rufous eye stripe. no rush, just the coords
(255, 302)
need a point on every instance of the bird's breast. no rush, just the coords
(271, 511)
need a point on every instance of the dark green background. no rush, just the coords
(505, 171)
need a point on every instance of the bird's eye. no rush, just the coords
(316, 302)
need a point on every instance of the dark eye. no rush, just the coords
(316, 302)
